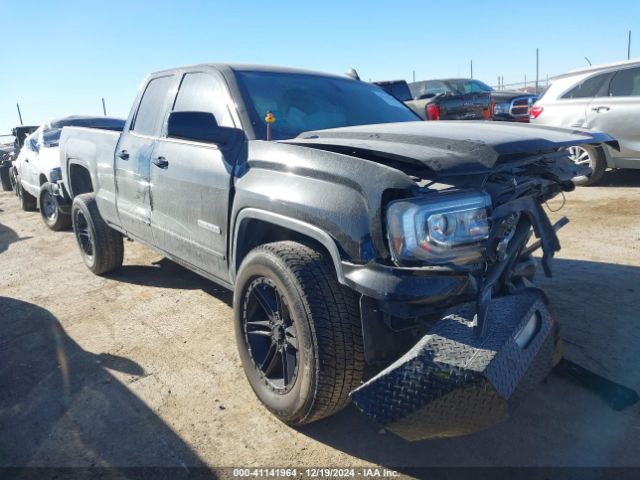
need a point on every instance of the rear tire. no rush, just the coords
(50, 210)
(319, 316)
(28, 202)
(5, 178)
(595, 158)
(101, 247)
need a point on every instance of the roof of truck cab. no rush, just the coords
(250, 67)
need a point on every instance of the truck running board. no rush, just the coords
(453, 382)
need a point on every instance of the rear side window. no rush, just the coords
(429, 87)
(588, 88)
(626, 83)
(202, 92)
(152, 106)
(400, 90)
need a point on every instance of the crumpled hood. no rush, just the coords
(448, 147)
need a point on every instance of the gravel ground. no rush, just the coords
(140, 367)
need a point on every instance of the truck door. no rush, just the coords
(191, 182)
(617, 112)
(133, 157)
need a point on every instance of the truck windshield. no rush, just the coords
(303, 102)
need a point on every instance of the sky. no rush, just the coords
(62, 58)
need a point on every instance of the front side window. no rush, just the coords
(625, 83)
(473, 86)
(149, 116)
(463, 86)
(201, 92)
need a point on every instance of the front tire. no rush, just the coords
(50, 210)
(298, 332)
(101, 247)
(592, 157)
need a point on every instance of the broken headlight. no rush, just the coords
(443, 228)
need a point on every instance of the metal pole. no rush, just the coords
(19, 114)
(537, 68)
(104, 107)
(471, 68)
(414, 75)
(629, 47)
(525, 81)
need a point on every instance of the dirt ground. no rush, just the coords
(140, 367)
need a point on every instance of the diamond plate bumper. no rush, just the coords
(452, 382)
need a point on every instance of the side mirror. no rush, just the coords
(199, 127)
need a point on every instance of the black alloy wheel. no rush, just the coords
(84, 236)
(270, 335)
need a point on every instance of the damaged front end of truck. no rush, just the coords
(454, 313)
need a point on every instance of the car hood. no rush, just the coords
(503, 95)
(448, 147)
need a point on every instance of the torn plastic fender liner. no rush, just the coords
(453, 382)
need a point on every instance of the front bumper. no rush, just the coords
(454, 381)
(405, 292)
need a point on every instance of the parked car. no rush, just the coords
(6, 158)
(464, 99)
(38, 167)
(353, 237)
(603, 98)
(9, 151)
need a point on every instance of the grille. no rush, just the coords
(520, 106)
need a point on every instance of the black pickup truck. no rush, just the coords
(357, 235)
(9, 152)
(461, 99)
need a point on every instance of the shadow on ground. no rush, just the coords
(167, 274)
(7, 237)
(60, 405)
(559, 424)
(620, 178)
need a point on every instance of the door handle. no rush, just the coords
(160, 162)
(124, 155)
(601, 107)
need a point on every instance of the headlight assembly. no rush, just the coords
(442, 228)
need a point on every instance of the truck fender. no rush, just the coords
(71, 162)
(281, 221)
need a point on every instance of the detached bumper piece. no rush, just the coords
(452, 382)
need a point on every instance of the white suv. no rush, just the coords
(604, 98)
(38, 167)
